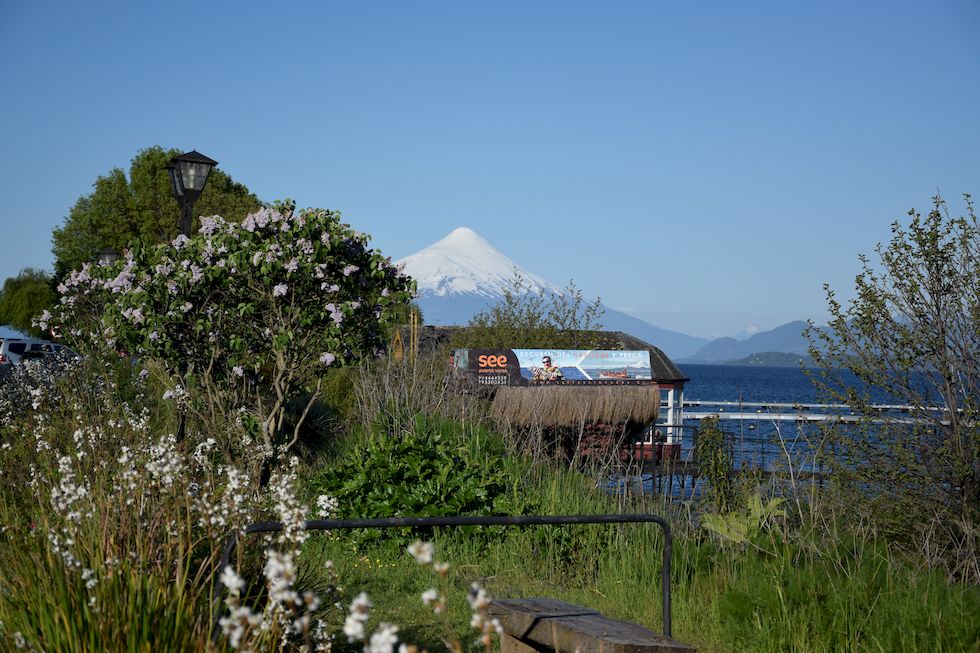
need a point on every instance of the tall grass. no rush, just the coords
(103, 547)
(800, 587)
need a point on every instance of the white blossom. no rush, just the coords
(421, 551)
(326, 505)
(358, 614)
(383, 640)
(231, 580)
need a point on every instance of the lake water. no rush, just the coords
(761, 441)
(747, 383)
(755, 383)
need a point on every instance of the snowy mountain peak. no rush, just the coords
(465, 263)
(465, 238)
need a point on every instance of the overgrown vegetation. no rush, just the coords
(112, 529)
(913, 330)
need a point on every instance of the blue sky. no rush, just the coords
(704, 166)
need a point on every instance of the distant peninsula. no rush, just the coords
(773, 359)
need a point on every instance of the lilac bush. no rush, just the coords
(244, 317)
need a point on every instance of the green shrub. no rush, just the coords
(716, 460)
(435, 469)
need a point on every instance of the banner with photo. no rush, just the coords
(554, 366)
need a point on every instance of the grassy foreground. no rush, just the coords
(111, 532)
(792, 593)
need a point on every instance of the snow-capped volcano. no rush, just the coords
(463, 274)
(465, 263)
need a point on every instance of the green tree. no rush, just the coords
(25, 297)
(121, 209)
(913, 330)
(524, 318)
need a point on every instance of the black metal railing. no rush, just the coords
(402, 522)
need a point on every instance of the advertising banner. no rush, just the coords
(516, 367)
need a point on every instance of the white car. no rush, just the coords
(13, 350)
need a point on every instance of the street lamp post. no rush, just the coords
(188, 174)
(106, 256)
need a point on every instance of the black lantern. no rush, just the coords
(107, 257)
(188, 174)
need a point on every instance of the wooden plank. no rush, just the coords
(549, 624)
(510, 644)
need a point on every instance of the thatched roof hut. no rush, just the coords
(630, 405)
(557, 406)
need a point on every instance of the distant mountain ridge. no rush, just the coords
(463, 274)
(785, 339)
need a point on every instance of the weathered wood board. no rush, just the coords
(544, 624)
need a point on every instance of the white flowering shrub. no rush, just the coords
(245, 317)
(94, 505)
(110, 530)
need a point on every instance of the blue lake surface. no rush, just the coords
(747, 383)
(756, 383)
(760, 441)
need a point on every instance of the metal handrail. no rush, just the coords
(503, 520)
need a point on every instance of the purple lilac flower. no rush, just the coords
(211, 225)
(335, 314)
(280, 290)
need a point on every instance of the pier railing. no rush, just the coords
(782, 440)
(418, 522)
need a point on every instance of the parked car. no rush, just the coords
(14, 350)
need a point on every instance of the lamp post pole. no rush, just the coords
(188, 175)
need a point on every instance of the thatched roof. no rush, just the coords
(575, 405)
(662, 369)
